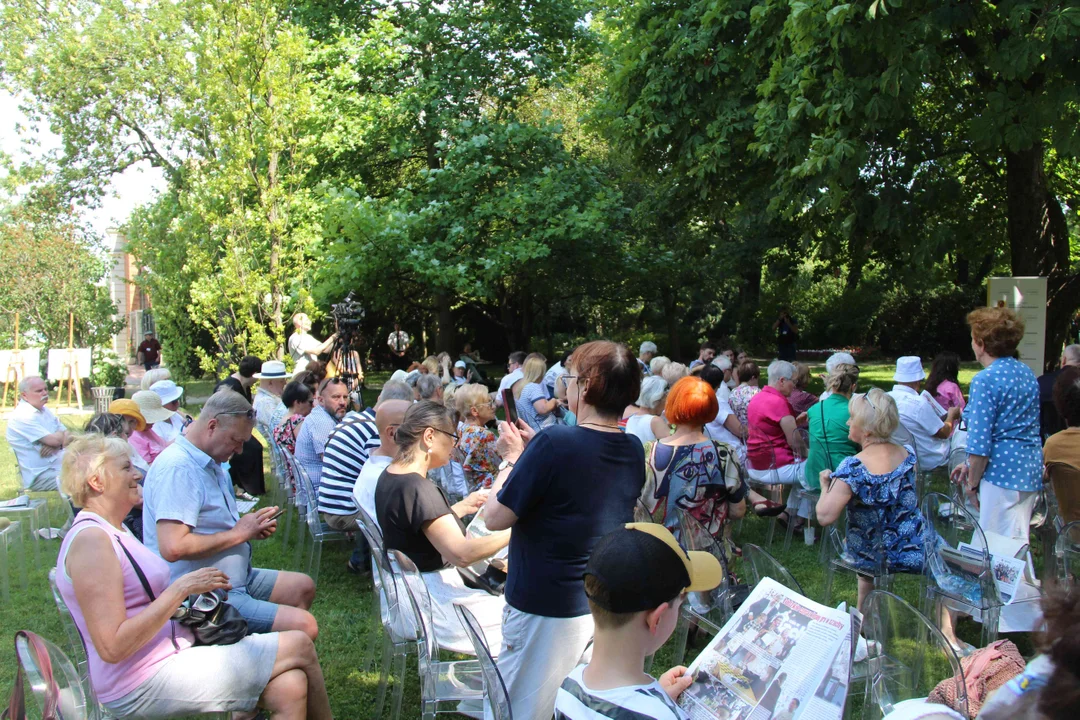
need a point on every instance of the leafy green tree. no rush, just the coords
(51, 267)
(898, 134)
(214, 94)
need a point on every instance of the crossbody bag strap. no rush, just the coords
(138, 571)
(825, 435)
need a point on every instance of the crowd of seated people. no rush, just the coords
(454, 489)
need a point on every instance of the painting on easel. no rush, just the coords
(15, 365)
(69, 366)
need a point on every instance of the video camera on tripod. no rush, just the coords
(344, 355)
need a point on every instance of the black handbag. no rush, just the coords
(211, 620)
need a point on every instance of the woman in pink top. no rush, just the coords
(145, 441)
(142, 663)
(775, 450)
(943, 381)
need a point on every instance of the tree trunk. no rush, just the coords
(273, 216)
(1039, 242)
(671, 315)
(444, 340)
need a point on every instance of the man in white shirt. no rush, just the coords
(399, 341)
(388, 416)
(173, 426)
(303, 347)
(513, 367)
(646, 353)
(37, 437)
(918, 416)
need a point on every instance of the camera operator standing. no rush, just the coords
(399, 345)
(302, 346)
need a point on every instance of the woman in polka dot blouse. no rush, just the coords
(1004, 470)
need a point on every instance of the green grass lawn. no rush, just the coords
(344, 605)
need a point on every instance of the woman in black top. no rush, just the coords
(570, 486)
(417, 518)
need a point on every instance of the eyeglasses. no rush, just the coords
(866, 397)
(249, 414)
(566, 378)
(448, 434)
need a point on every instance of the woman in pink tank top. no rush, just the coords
(142, 663)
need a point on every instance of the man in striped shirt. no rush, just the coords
(347, 450)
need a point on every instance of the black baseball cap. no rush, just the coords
(642, 566)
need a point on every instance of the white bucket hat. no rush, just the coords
(909, 369)
(168, 390)
(460, 364)
(149, 403)
(273, 370)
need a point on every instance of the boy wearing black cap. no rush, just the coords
(635, 581)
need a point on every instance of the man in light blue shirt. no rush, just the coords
(333, 401)
(190, 519)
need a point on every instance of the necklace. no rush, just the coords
(601, 425)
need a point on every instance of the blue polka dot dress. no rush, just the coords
(1003, 424)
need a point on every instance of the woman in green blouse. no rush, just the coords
(828, 425)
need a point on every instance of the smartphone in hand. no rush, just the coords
(510, 406)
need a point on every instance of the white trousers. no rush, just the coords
(1006, 512)
(537, 654)
(793, 474)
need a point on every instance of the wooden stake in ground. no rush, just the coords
(70, 372)
(16, 367)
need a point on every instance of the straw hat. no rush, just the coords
(149, 403)
(273, 370)
(128, 408)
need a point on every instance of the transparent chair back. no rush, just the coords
(1067, 553)
(641, 512)
(292, 468)
(904, 437)
(761, 564)
(693, 536)
(908, 656)
(494, 687)
(439, 681)
(53, 679)
(839, 556)
(966, 580)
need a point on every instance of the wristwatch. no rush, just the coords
(505, 464)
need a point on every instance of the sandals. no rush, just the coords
(767, 508)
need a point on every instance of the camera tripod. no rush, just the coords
(345, 364)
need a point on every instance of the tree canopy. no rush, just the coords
(525, 173)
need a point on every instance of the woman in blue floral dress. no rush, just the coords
(877, 486)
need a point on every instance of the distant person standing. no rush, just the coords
(149, 351)
(303, 347)
(787, 336)
(399, 341)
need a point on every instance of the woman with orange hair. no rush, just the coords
(688, 469)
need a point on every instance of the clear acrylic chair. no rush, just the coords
(705, 610)
(904, 437)
(761, 564)
(773, 490)
(396, 616)
(1067, 554)
(317, 530)
(440, 681)
(31, 517)
(840, 559)
(907, 656)
(53, 679)
(287, 492)
(12, 549)
(961, 582)
(494, 687)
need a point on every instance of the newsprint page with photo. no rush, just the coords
(780, 657)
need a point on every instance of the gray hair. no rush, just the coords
(647, 346)
(780, 369)
(153, 376)
(839, 358)
(652, 391)
(656, 365)
(24, 384)
(225, 402)
(722, 361)
(394, 390)
(427, 386)
(1072, 355)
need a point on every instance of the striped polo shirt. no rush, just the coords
(344, 457)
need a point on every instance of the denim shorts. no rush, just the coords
(253, 600)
